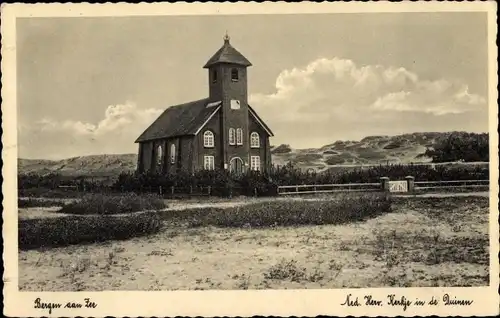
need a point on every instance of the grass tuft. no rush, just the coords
(39, 203)
(286, 270)
(113, 204)
(336, 210)
(68, 230)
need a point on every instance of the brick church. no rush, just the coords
(218, 132)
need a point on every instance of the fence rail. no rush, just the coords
(368, 187)
(327, 188)
(453, 181)
(453, 184)
(200, 191)
(329, 185)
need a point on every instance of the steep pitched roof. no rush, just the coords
(260, 121)
(180, 120)
(228, 54)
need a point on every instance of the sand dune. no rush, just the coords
(404, 148)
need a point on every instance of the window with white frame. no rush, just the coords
(239, 136)
(159, 155)
(209, 162)
(254, 140)
(172, 153)
(232, 137)
(255, 163)
(208, 139)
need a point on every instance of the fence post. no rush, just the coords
(384, 184)
(160, 190)
(172, 190)
(410, 181)
(190, 189)
(254, 192)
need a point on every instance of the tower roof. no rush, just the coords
(227, 54)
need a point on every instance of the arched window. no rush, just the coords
(172, 153)
(239, 136)
(234, 75)
(208, 139)
(232, 136)
(254, 140)
(159, 156)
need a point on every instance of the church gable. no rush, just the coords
(254, 117)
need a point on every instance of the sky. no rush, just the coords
(91, 85)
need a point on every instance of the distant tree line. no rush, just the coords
(460, 146)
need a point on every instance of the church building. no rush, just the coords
(219, 132)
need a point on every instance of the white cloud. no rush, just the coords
(117, 118)
(327, 100)
(336, 99)
(114, 133)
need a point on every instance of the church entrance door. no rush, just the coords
(236, 165)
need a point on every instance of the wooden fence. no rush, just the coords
(329, 188)
(200, 191)
(410, 186)
(455, 184)
(407, 185)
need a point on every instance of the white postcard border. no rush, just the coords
(230, 303)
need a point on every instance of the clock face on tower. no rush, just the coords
(235, 104)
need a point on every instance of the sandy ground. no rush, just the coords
(423, 243)
(36, 213)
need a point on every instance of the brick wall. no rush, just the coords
(264, 150)
(214, 125)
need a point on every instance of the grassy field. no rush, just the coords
(421, 242)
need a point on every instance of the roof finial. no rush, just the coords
(226, 38)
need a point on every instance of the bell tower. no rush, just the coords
(227, 75)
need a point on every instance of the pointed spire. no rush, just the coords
(227, 54)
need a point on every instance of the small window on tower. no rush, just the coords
(232, 136)
(239, 136)
(214, 76)
(234, 75)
